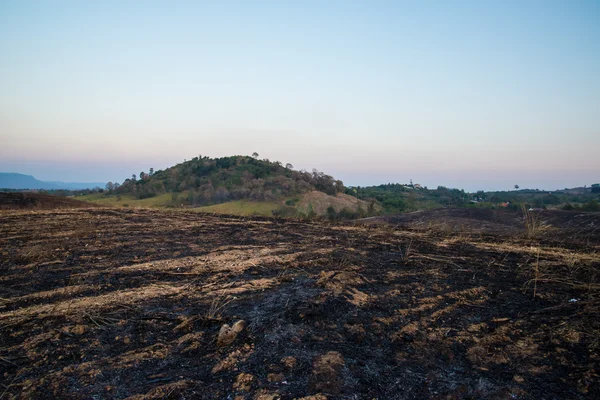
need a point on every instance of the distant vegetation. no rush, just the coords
(247, 185)
(581, 199)
(397, 198)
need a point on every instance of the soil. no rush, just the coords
(113, 304)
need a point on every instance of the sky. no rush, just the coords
(467, 94)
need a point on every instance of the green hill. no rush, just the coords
(236, 185)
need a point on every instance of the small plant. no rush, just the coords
(218, 305)
(406, 252)
(533, 225)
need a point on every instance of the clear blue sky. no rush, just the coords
(470, 94)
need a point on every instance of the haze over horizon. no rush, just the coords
(463, 94)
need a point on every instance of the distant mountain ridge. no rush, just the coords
(13, 180)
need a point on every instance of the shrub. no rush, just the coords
(591, 205)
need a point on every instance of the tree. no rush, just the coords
(221, 194)
(516, 187)
(289, 166)
(133, 177)
(255, 155)
(371, 208)
(151, 172)
(110, 186)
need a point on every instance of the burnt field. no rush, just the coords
(105, 303)
(34, 200)
(563, 227)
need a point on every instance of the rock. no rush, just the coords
(326, 373)
(243, 382)
(228, 334)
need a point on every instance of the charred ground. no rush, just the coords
(104, 303)
(34, 200)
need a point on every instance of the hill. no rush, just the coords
(16, 181)
(210, 181)
(236, 185)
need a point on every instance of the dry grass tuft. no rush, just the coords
(218, 304)
(406, 252)
(534, 226)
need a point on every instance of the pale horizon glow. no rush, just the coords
(467, 94)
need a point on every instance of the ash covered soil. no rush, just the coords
(106, 303)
